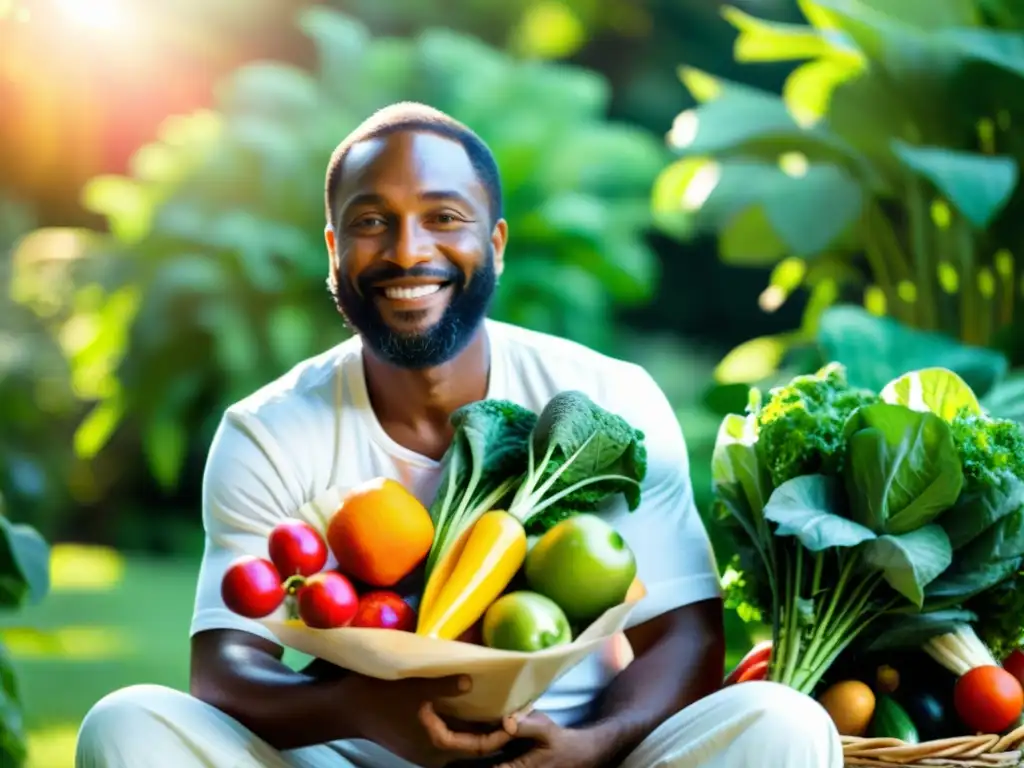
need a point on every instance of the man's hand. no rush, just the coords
(557, 747)
(401, 717)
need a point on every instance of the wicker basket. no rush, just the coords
(981, 751)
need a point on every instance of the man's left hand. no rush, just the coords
(556, 747)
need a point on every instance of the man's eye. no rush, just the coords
(369, 222)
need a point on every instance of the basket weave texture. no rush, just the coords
(981, 751)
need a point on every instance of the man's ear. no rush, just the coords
(499, 239)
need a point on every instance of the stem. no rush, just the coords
(821, 634)
(968, 282)
(924, 268)
(793, 646)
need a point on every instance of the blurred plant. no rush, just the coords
(24, 580)
(37, 406)
(212, 280)
(886, 174)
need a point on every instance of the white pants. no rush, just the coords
(750, 725)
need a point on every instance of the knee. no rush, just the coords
(787, 716)
(125, 713)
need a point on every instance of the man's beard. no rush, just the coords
(435, 345)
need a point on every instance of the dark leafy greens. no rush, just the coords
(854, 510)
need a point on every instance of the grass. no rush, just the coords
(111, 622)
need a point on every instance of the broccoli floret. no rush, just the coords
(988, 447)
(801, 424)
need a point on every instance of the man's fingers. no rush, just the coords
(444, 738)
(533, 726)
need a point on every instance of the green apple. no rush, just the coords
(525, 621)
(583, 564)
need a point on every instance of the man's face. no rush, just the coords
(414, 257)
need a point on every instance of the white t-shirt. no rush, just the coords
(314, 429)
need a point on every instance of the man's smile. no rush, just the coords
(406, 295)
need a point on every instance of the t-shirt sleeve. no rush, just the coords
(246, 492)
(675, 560)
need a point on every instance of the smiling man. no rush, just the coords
(416, 243)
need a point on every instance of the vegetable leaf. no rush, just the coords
(913, 630)
(937, 390)
(804, 507)
(902, 470)
(580, 454)
(911, 561)
(490, 446)
(977, 510)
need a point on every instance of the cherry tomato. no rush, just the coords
(327, 600)
(295, 547)
(988, 699)
(383, 609)
(1014, 664)
(252, 587)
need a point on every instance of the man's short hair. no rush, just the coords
(412, 116)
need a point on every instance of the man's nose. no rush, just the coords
(412, 245)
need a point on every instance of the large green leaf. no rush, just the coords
(739, 115)
(24, 564)
(876, 350)
(979, 186)
(938, 390)
(961, 582)
(798, 216)
(912, 560)
(902, 468)
(979, 509)
(1001, 541)
(807, 507)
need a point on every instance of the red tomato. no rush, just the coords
(1014, 664)
(295, 547)
(252, 587)
(383, 609)
(988, 699)
(327, 600)
(760, 652)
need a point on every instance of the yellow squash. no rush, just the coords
(439, 577)
(494, 551)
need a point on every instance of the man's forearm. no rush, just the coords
(287, 709)
(680, 660)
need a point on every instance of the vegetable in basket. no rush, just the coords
(567, 460)
(854, 512)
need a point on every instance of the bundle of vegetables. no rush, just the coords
(871, 515)
(510, 472)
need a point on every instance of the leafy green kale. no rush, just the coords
(988, 447)
(580, 454)
(800, 425)
(992, 454)
(489, 450)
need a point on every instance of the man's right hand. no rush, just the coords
(400, 716)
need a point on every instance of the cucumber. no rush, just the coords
(891, 721)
